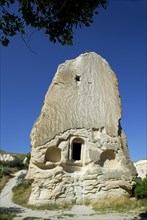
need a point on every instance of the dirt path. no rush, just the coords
(78, 212)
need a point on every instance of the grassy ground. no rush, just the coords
(3, 181)
(24, 189)
(122, 204)
(5, 178)
(6, 214)
(8, 168)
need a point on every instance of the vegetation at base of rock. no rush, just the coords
(20, 178)
(121, 204)
(141, 188)
(5, 174)
(28, 158)
(6, 214)
(53, 206)
(23, 189)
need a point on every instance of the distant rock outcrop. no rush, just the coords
(141, 167)
(79, 150)
(6, 157)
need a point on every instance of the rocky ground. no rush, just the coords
(80, 212)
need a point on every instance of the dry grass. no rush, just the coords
(121, 204)
(5, 178)
(3, 181)
(52, 206)
(24, 189)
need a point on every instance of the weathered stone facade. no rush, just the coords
(79, 150)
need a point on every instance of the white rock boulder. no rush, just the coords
(141, 167)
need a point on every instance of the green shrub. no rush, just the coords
(6, 214)
(141, 188)
(5, 163)
(27, 160)
(1, 170)
(21, 186)
(30, 218)
(17, 162)
(6, 171)
(21, 176)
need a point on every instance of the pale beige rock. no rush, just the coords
(141, 167)
(6, 157)
(79, 149)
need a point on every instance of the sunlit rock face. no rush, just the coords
(141, 168)
(79, 150)
(6, 158)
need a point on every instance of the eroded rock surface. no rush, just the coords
(79, 150)
(141, 168)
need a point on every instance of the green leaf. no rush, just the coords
(5, 42)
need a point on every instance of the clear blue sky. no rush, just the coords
(118, 34)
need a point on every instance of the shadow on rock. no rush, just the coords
(11, 210)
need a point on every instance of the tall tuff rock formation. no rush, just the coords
(79, 150)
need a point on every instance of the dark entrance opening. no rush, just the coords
(76, 151)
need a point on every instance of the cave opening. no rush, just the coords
(76, 151)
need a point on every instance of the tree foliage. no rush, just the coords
(57, 18)
(141, 188)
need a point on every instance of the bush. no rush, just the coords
(6, 171)
(5, 175)
(6, 213)
(21, 178)
(17, 162)
(27, 160)
(141, 188)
